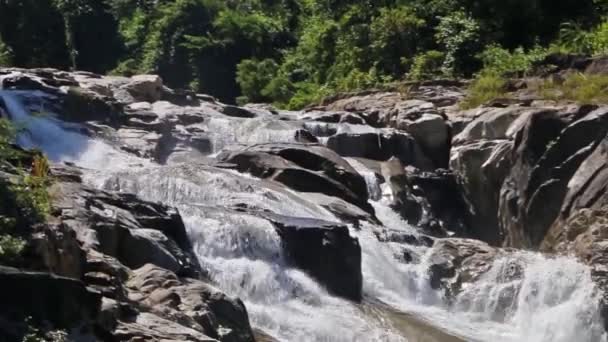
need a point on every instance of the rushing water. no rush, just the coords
(524, 296)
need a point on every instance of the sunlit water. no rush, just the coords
(547, 300)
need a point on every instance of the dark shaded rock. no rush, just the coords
(482, 167)
(65, 303)
(325, 250)
(305, 168)
(547, 153)
(237, 112)
(81, 105)
(430, 200)
(381, 146)
(564, 61)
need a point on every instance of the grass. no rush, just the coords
(578, 87)
(486, 87)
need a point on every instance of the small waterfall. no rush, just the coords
(524, 296)
(371, 179)
(58, 141)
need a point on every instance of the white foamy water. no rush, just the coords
(524, 296)
(60, 143)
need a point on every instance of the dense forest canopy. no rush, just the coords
(292, 52)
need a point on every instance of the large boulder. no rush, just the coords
(64, 303)
(547, 153)
(381, 145)
(453, 263)
(200, 306)
(325, 250)
(121, 225)
(303, 167)
(430, 200)
(482, 167)
(422, 119)
(145, 88)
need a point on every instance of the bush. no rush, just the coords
(253, 76)
(307, 94)
(486, 87)
(7, 135)
(459, 34)
(511, 63)
(574, 39)
(427, 65)
(11, 249)
(6, 57)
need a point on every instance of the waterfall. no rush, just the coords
(549, 299)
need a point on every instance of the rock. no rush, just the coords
(303, 167)
(398, 236)
(325, 250)
(153, 247)
(343, 210)
(65, 303)
(142, 88)
(333, 117)
(494, 124)
(482, 167)
(202, 307)
(381, 145)
(419, 118)
(456, 262)
(548, 151)
(430, 200)
(584, 201)
(238, 112)
(149, 327)
(58, 250)
(118, 224)
(81, 105)
(433, 134)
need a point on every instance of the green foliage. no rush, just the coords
(7, 135)
(486, 87)
(394, 33)
(518, 62)
(254, 76)
(6, 58)
(573, 38)
(23, 194)
(312, 46)
(427, 65)
(11, 249)
(459, 34)
(307, 94)
(31, 194)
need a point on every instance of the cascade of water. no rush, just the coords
(60, 144)
(524, 296)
